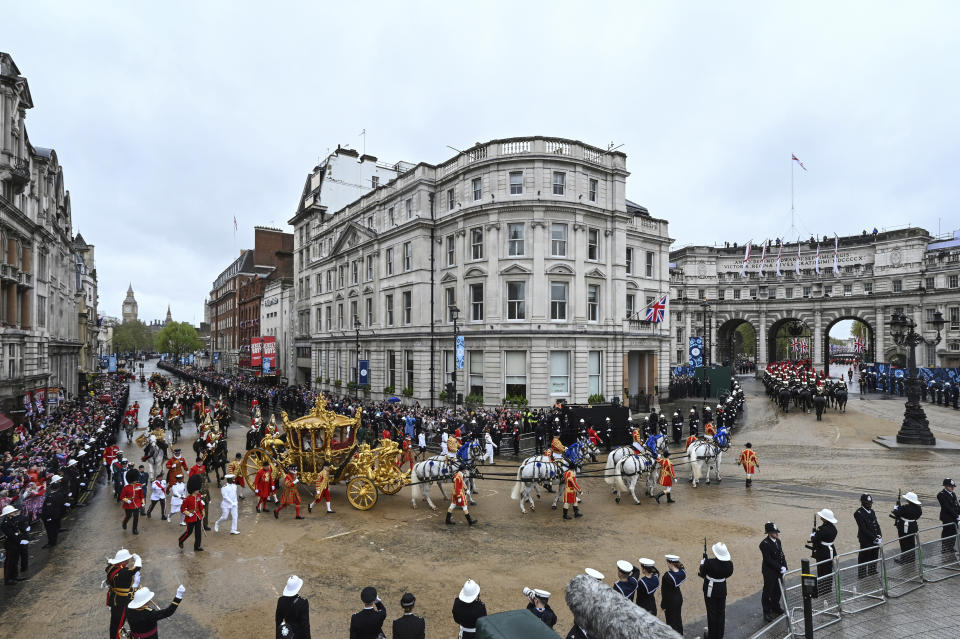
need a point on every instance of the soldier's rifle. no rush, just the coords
(896, 511)
(810, 546)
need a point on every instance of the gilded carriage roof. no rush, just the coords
(319, 418)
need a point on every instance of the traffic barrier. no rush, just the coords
(940, 556)
(902, 568)
(860, 580)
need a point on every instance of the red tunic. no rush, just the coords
(667, 475)
(459, 494)
(290, 493)
(748, 459)
(174, 466)
(197, 469)
(592, 434)
(132, 497)
(110, 454)
(690, 440)
(192, 508)
(263, 483)
(571, 487)
(709, 429)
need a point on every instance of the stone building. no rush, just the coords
(41, 277)
(526, 247)
(87, 324)
(129, 310)
(904, 270)
(276, 311)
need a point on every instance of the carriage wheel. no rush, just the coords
(393, 486)
(361, 493)
(252, 463)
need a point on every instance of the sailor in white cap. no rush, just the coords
(539, 605)
(143, 619)
(467, 609)
(596, 574)
(671, 599)
(907, 515)
(715, 572)
(228, 505)
(627, 582)
(649, 583)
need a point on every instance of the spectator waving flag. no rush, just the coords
(657, 309)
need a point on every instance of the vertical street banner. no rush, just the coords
(364, 372)
(270, 352)
(696, 352)
(112, 364)
(216, 357)
(191, 359)
(460, 352)
(256, 353)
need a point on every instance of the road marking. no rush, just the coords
(341, 534)
(838, 435)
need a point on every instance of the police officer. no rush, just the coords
(715, 573)
(949, 515)
(869, 536)
(773, 568)
(821, 541)
(906, 516)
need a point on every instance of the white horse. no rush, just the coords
(153, 458)
(534, 472)
(704, 456)
(624, 462)
(440, 468)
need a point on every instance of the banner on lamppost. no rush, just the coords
(460, 352)
(112, 364)
(266, 366)
(256, 353)
(191, 359)
(216, 357)
(364, 372)
(696, 351)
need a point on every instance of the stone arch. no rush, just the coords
(830, 320)
(729, 344)
(781, 332)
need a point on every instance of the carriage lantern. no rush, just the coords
(915, 428)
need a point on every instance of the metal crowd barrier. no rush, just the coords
(854, 585)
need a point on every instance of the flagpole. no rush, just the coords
(793, 224)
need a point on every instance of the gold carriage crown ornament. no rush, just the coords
(324, 436)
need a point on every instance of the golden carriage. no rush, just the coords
(325, 436)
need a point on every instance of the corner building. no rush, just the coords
(531, 240)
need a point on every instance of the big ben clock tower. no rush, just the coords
(129, 306)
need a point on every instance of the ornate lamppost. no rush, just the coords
(915, 428)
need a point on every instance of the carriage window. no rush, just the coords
(294, 438)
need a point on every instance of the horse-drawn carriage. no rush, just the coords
(325, 436)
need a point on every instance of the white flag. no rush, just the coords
(796, 267)
(816, 261)
(763, 256)
(779, 251)
(746, 258)
(836, 243)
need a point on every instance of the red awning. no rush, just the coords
(5, 422)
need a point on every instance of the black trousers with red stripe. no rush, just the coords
(118, 614)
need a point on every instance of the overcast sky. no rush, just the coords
(172, 118)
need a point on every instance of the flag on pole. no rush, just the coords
(746, 258)
(796, 267)
(657, 309)
(763, 256)
(234, 223)
(836, 244)
(794, 345)
(779, 251)
(797, 160)
(816, 261)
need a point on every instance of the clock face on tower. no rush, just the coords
(126, 308)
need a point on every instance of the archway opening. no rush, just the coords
(849, 342)
(790, 339)
(737, 345)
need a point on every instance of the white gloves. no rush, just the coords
(812, 534)
(69, 494)
(67, 505)
(28, 528)
(180, 591)
(296, 481)
(783, 570)
(24, 542)
(137, 561)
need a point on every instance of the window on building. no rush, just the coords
(649, 272)
(450, 297)
(558, 240)
(593, 244)
(370, 222)
(593, 190)
(516, 301)
(897, 286)
(375, 181)
(516, 182)
(476, 302)
(594, 372)
(329, 314)
(408, 205)
(340, 271)
(477, 189)
(369, 268)
(952, 280)
(389, 261)
(392, 369)
(451, 250)
(515, 232)
(954, 317)
(701, 294)
(476, 243)
(369, 311)
(898, 310)
(931, 355)
(559, 182)
(340, 316)
(868, 287)
(448, 366)
(721, 294)
(355, 271)
(475, 383)
(806, 291)
(828, 289)
(408, 369)
(629, 260)
(388, 310)
(631, 301)
(593, 302)
(329, 280)
(407, 307)
(736, 293)
(515, 373)
(450, 201)
(407, 256)
(930, 283)
(788, 292)
(559, 372)
(390, 217)
(558, 300)
(848, 289)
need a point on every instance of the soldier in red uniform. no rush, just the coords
(748, 459)
(709, 429)
(571, 489)
(132, 499)
(407, 455)
(263, 486)
(193, 510)
(110, 456)
(690, 440)
(176, 464)
(666, 477)
(458, 499)
(594, 437)
(197, 469)
(323, 488)
(290, 494)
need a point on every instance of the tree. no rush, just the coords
(132, 336)
(177, 338)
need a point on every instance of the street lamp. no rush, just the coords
(915, 428)
(356, 325)
(454, 314)
(707, 325)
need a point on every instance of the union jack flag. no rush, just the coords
(859, 346)
(795, 345)
(804, 346)
(657, 309)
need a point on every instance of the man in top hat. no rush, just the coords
(409, 626)
(822, 542)
(907, 516)
(949, 515)
(458, 498)
(193, 508)
(869, 536)
(773, 568)
(174, 465)
(368, 623)
(291, 494)
(122, 577)
(14, 527)
(571, 491)
(322, 488)
(539, 605)
(263, 485)
(228, 505)
(748, 459)
(143, 619)
(131, 497)
(715, 572)
(666, 477)
(54, 502)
